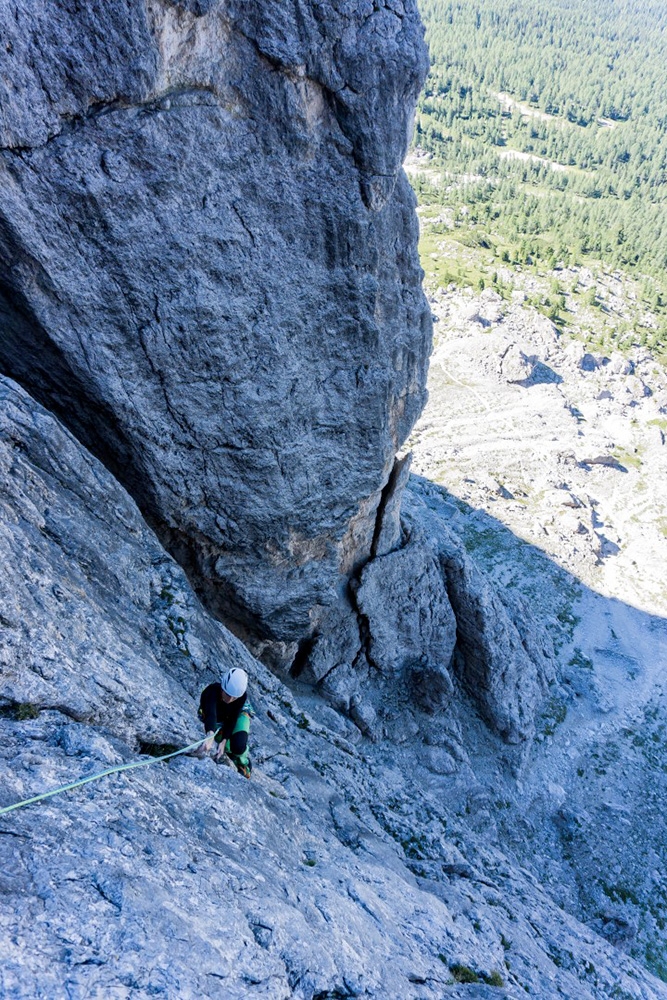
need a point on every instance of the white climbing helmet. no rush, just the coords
(235, 682)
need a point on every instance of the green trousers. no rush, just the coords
(242, 726)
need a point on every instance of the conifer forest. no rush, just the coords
(541, 136)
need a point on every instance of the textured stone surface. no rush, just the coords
(506, 657)
(411, 623)
(575, 466)
(208, 270)
(333, 872)
(421, 614)
(95, 619)
(583, 542)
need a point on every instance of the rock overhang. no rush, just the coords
(198, 281)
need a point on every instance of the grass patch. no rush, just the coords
(656, 961)
(494, 979)
(554, 714)
(415, 847)
(627, 458)
(483, 541)
(619, 893)
(568, 620)
(463, 974)
(578, 659)
(20, 711)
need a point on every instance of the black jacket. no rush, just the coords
(216, 712)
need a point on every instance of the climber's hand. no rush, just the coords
(221, 757)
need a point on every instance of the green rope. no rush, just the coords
(102, 774)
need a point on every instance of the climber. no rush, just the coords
(226, 713)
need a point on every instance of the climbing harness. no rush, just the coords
(101, 774)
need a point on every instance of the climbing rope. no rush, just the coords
(101, 774)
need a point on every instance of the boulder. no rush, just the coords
(506, 659)
(411, 625)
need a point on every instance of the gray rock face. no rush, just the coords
(422, 615)
(96, 621)
(209, 272)
(506, 658)
(405, 601)
(331, 873)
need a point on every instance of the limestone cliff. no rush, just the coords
(332, 873)
(208, 270)
(209, 288)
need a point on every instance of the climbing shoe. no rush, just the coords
(244, 769)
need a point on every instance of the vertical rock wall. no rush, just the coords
(208, 270)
